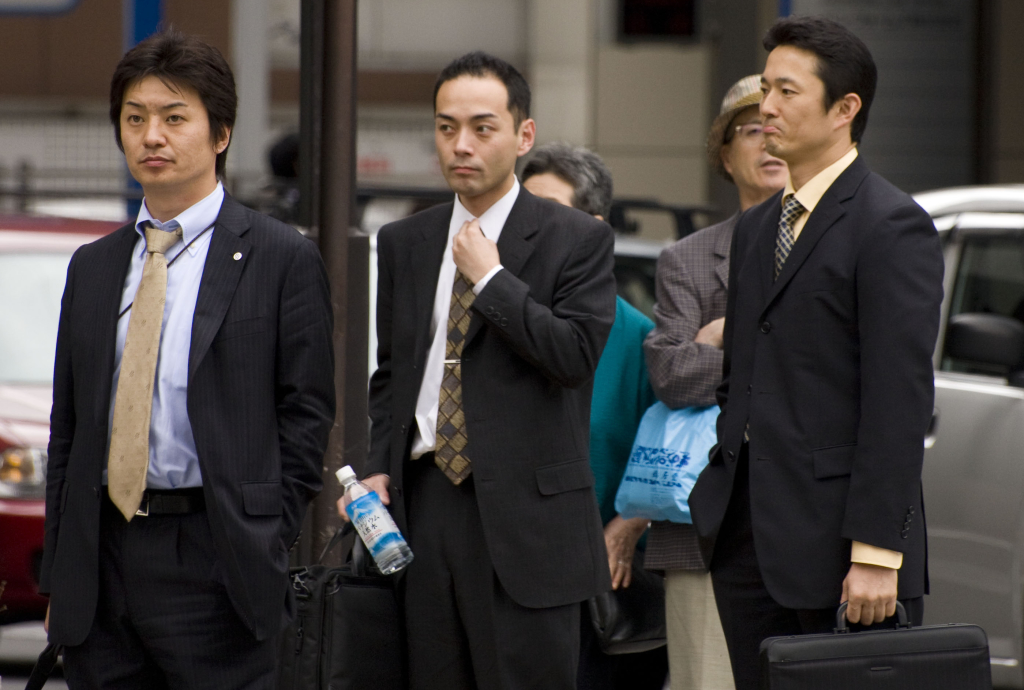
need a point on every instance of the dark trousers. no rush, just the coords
(749, 613)
(464, 631)
(163, 621)
(600, 671)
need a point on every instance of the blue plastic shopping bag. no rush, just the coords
(670, 450)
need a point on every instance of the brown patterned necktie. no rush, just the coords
(128, 461)
(791, 211)
(450, 454)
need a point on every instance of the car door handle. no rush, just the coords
(933, 429)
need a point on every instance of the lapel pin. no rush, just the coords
(237, 256)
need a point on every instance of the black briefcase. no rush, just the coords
(348, 633)
(931, 657)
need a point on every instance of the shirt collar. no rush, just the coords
(810, 194)
(493, 219)
(192, 220)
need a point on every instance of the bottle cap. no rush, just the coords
(345, 474)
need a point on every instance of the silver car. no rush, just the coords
(974, 457)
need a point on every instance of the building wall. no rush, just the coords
(70, 57)
(652, 106)
(1007, 155)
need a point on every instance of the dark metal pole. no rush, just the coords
(331, 173)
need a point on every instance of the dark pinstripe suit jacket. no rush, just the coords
(536, 335)
(692, 282)
(260, 402)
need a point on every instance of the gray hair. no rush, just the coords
(580, 167)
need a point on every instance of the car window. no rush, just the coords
(990, 280)
(634, 277)
(30, 290)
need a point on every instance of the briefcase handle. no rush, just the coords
(361, 560)
(44, 667)
(843, 627)
(339, 534)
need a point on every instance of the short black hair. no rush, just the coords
(581, 168)
(481, 64)
(179, 59)
(845, 64)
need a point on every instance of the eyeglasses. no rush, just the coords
(750, 132)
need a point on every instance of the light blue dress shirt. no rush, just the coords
(173, 462)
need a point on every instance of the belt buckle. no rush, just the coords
(143, 510)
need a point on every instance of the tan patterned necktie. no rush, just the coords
(450, 453)
(128, 462)
(791, 210)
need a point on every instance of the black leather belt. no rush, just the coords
(171, 502)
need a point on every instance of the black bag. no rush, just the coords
(631, 619)
(348, 632)
(931, 657)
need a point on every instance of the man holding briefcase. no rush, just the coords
(813, 495)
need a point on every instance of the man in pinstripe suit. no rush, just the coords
(684, 358)
(180, 580)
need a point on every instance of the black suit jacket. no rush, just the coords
(830, 365)
(536, 334)
(260, 402)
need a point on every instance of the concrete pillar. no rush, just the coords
(561, 45)
(251, 64)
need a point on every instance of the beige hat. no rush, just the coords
(743, 94)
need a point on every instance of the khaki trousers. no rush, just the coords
(697, 656)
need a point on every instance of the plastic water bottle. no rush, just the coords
(374, 523)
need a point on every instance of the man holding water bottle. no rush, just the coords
(492, 314)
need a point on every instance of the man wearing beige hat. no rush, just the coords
(684, 357)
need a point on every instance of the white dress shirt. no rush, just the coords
(491, 223)
(173, 461)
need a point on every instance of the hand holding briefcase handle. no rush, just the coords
(930, 657)
(843, 626)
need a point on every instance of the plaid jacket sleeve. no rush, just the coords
(691, 292)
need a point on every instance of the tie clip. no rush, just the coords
(453, 361)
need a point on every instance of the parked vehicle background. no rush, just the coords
(974, 457)
(34, 256)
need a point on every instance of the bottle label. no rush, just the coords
(374, 523)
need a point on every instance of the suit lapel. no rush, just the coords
(825, 215)
(220, 278)
(108, 293)
(424, 260)
(765, 246)
(514, 247)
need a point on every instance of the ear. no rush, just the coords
(222, 141)
(845, 109)
(527, 135)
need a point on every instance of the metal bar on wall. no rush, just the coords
(328, 175)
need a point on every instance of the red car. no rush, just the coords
(34, 256)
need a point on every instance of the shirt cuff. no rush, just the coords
(874, 555)
(478, 288)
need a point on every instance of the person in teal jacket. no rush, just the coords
(622, 393)
(574, 176)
